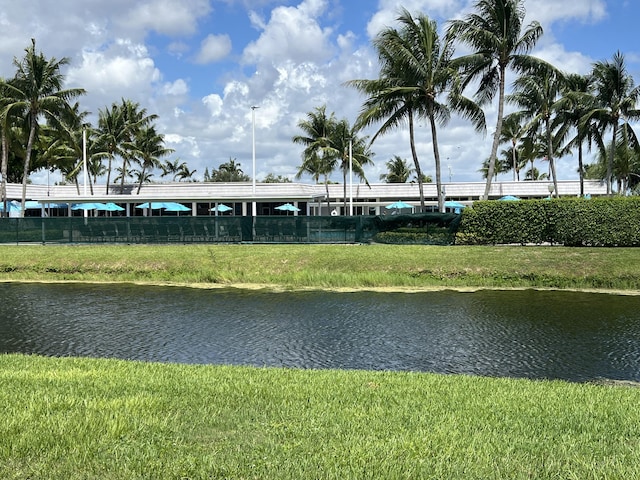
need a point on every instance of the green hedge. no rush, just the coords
(605, 222)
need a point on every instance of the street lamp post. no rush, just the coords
(253, 149)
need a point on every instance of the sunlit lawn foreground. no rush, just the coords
(329, 266)
(108, 419)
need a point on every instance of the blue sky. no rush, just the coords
(201, 64)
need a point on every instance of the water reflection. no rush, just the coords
(567, 335)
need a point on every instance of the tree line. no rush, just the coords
(556, 112)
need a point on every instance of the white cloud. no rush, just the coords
(123, 69)
(292, 34)
(214, 103)
(179, 87)
(214, 48)
(170, 17)
(550, 11)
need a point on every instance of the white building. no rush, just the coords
(311, 199)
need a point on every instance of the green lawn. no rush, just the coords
(330, 266)
(108, 419)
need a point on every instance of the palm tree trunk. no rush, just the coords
(141, 179)
(124, 174)
(581, 169)
(516, 173)
(3, 172)
(27, 161)
(496, 136)
(612, 155)
(436, 155)
(108, 175)
(552, 165)
(416, 162)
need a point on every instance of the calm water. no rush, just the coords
(572, 336)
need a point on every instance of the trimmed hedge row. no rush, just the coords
(604, 222)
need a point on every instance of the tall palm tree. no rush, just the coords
(6, 122)
(111, 135)
(616, 101)
(495, 34)
(67, 145)
(538, 94)
(417, 73)
(577, 101)
(150, 147)
(398, 171)
(317, 158)
(37, 92)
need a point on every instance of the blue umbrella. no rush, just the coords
(288, 208)
(174, 207)
(88, 206)
(111, 207)
(221, 208)
(457, 206)
(508, 198)
(153, 206)
(12, 206)
(398, 205)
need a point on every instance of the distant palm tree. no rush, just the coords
(229, 172)
(494, 32)
(398, 171)
(37, 92)
(538, 94)
(351, 151)
(317, 158)
(149, 144)
(616, 101)
(511, 133)
(577, 101)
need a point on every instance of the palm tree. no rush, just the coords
(495, 34)
(230, 172)
(512, 133)
(398, 171)
(118, 126)
(150, 146)
(67, 145)
(317, 158)
(575, 104)
(184, 173)
(135, 119)
(350, 150)
(6, 122)
(37, 92)
(111, 134)
(537, 93)
(616, 101)
(417, 70)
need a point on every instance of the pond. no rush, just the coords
(533, 334)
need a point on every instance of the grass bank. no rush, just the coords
(109, 419)
(330, 266)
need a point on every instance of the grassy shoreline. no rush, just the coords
(78, 418)
(404, 268)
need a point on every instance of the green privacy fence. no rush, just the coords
(422, 228)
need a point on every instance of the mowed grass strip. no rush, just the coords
(89, 419)
(330, 266)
